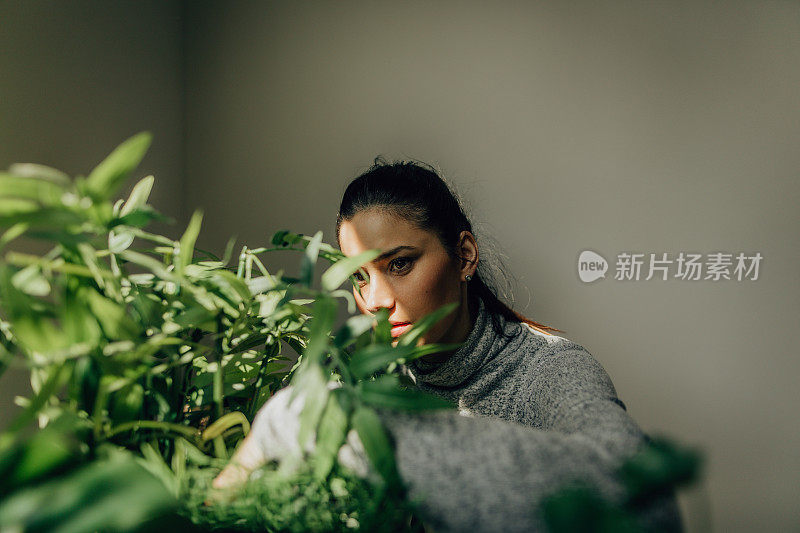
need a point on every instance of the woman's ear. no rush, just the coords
(468, 251)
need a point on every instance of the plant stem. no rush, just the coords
(184, 431)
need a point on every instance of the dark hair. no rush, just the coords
(416, 192)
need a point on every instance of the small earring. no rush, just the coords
(468, 277)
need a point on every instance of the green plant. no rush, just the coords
(145, 347)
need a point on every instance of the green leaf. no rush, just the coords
(187, 243)
(15, 211)
(237, 284)
(385, 392)
(113, 317)
(286, 238)
(12, 233)
(579, 507)
(228, 253)
(89, 256)
(126, 404)
(155, 464)
(107, 177)
(148, 308)
(310, 259)
(14, 207)
(15, 303)
(178, 462)
(139, 217)
(196, 316)
(310, 381)
(120, 241)
(42, 191)
(324, 314)
(57, 377)
(253, 339)
(139, 195)
(37, 333)
(31, 281)
(43, 454)
(331, 434)
(376, 443)
(85, 382)
(354, 327)
(344, 268)
(410, 337)
(373, 357)
(658, 466)
(33, 170)
(106, 495)
(153, 265)
(383, 328)
(277, 238)
(77, 320)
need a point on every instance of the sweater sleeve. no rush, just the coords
(481, 474)
(571, 393)
(486, 474)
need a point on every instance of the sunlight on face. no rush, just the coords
(414, 277)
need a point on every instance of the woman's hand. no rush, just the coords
(274, 436)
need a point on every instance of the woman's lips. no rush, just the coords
(399, 329)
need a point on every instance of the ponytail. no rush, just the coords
(496, 308)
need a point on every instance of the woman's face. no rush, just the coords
(412, 278)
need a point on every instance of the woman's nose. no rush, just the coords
(379, 295)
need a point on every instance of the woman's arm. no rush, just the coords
(486, 474)
(571, 393)
(482, 474)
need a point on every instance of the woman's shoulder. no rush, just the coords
(561, 363)
(554, 355)
(549, 342)
(549, 337)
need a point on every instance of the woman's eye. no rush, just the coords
(360, 278)
(401, 264)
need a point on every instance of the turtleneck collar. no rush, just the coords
(481, 346)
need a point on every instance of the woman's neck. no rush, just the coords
(462, 327)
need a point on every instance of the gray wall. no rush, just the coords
(76, 79)
(633, 126)
(565, 126)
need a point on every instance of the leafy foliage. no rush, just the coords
(149, 359)
(272, 502)
(147, 346)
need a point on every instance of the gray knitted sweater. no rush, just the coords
(563, 422)
(536, 411)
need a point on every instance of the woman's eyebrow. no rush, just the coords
(389, 253)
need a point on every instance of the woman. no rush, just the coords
(430, 259)
(546, 410)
